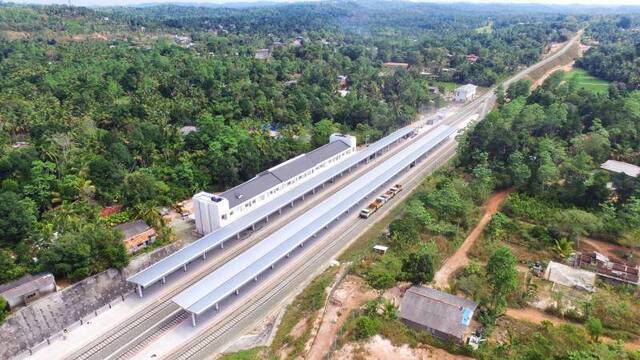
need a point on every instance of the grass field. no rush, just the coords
(584, 80)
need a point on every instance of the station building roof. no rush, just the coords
(242, 269)
(175, 261)
(250, 189)
(281, 173)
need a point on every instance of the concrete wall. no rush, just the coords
(45, 318)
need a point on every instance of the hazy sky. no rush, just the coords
(133, 2)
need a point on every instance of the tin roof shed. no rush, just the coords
(444, 315)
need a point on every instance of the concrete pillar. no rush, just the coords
(291, 205)
(193, 319)
(272, 266)
(164, 280)
(301, 244)
(323, 185)
(217, 306)
(184, 267)
(267, 218)
(204, 256)
(253, 227)
(237, 292)
(280, 211)
(313, 191)
(238, 236)
(255, 279)
(140, 290)
(222, 245)
(288, 255)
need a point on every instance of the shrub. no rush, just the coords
(4, 312)
(365, 327)
(383, 274)
(529, 209)
(594, 327)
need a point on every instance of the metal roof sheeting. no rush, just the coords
(281, 173)
(175, 261)
(437, 310)
(250, 189)
(222, 282)
(621, 167)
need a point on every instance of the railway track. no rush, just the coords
(244, 316)
(160, 317)
(206, 343)
(131, 336)
(141, 326)
(166, 325)
(146, 330)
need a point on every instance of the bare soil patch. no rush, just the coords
(380, 348)
(299, 328)
(351, 294)
(14, 35)
(565, 67)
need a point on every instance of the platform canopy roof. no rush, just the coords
(242, 269)
(175, 261)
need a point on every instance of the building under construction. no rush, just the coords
(612, 270)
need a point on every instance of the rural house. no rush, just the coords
(137, 235)
(27, 289)
(465, 93)
(444, 315)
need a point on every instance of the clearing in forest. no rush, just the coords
(584, 80)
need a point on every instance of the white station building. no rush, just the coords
(215, 211)
(465, 93)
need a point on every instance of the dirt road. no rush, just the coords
(459, 259)
(612, 251)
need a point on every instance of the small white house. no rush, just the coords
(380, 249)
(465, 93)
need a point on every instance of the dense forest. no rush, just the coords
(94, 103)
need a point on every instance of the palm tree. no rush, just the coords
(150, 214)
(563, 247)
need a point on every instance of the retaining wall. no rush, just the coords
(31, 327)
